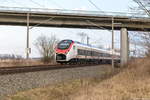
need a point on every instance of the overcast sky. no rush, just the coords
(13, 38)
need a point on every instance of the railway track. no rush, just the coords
(23, 69)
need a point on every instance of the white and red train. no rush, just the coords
(68, 51)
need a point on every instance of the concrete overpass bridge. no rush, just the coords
(73, 18)
(34, 17)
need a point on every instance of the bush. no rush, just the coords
(45, 46)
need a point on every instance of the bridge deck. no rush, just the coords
(83, 19)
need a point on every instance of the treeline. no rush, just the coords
(10, 56)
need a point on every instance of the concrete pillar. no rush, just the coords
(124, 46)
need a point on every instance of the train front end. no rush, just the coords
(62, 51)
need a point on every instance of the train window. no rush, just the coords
(106, 55)
(65, 44)
(101, 54)
(94, 53)
(89, 53)
(97, 54)
(81, 52)
(86, 52)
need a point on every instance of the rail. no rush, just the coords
(72, 12)
(24, 69)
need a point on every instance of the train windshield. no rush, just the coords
(65, 44)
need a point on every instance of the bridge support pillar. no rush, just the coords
(124, 46)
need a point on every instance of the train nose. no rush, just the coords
(60, 57)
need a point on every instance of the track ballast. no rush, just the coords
(23, 69)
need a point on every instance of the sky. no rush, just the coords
(13, 38)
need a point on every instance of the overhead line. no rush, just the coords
(57, 4)
(37, 3)
(93, 22)
(45, 21)
(18, 3)
(95, 5)
(97, 25)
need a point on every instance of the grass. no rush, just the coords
(60, 91)
(21, 62)
(20, 98)
(56, 92)
(132, 83)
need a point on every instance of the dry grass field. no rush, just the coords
(132, 83)
(21, 62)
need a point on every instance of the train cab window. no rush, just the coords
(65, 44)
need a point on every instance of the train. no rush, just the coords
(69, 51)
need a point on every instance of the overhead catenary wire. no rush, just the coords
(45, 21)
(18, 3)
(91, 2)
(90, 22)
(58, 5)
(37, 3)
(93, 22)
(98, 10)
(49, 19)
(111, 31)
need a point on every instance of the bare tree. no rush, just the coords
(45, 46)
(142, 39)
(143, 7)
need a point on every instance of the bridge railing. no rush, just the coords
(73, 12)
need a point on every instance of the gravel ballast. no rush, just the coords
(13, 83)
